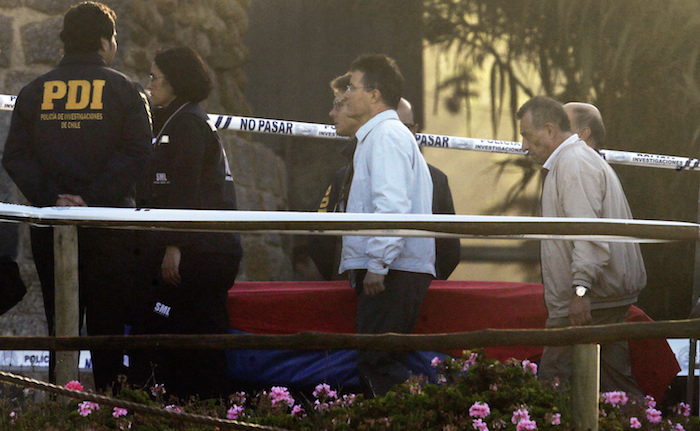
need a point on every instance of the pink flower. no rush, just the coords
(238, 398)
(323, 390)
(74, 385)
(473, 357)
(526, 425)
(493, 387)
(682, 409)
(634, 423)
(649, 401)
(87, 407)
(556, 419)
(348, 400)
(13, 417)
(319, 406)
(480, 425)
(174, 408)
(298, 412)
(520, 415)
(158, 390)
(280, 395)
(235, 412)
(678, 427)
(435, 362)
(479, 410)
(118, 412)
(529, 366)
(653, 415)
(615, 399)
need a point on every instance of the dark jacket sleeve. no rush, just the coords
(447, 250)
(125, 167)
(188, 136)
(323, 249)
(20, 160)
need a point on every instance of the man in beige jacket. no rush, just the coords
(585, 282)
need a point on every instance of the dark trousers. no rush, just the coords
(394, 310)
(615, 368)
(105, 277)
(197, 306)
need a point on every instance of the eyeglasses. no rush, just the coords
(153, 77)
(339, 103)
(350, 88)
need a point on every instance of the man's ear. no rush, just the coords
(376, 95)
(104, 44)
(550, 129)
(584, 133)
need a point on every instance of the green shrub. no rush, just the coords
(472, 393)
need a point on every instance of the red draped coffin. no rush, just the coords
(450, 306)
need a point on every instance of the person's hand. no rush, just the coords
(580, 310)
(373, 284)
(170, 268)
(66, 200)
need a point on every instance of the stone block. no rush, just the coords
(240, 8)
(146, 14)
(16, 79)
(6, 36)
(202, 45)
(267, 169)
(243, 164)
(138, 59)
(271, 202)
(139, 35)
(166, 6)
(40, 41)
(263, 262)
(214, 26)
(281, 177)
(50, 7)
(10, 3)
(231, 97)
(27, 317)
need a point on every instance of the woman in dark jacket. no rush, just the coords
(189, 273)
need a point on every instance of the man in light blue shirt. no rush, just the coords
(390, 274)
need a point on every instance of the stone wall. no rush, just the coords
(29, 46)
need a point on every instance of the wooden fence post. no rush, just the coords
(585, 386)
(66, 307)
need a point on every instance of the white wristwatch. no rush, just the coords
(581, 291)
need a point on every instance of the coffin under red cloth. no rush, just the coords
(449, 306)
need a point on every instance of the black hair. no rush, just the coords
(381, 73)
(186, 72)
(545, 110)
(85, 24)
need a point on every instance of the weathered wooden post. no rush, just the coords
(585, 386)
(66, 308)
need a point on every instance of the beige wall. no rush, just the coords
(473, 175)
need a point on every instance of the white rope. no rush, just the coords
(414, 225)
(313, 130)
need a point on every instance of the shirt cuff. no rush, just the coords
(377, 266)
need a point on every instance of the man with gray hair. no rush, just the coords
(585, 282)
(587, 123)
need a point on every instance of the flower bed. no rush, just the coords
(472, 393)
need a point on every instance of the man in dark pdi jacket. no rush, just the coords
(324, 250)
(80, 136)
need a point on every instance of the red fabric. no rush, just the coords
(449, 306)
